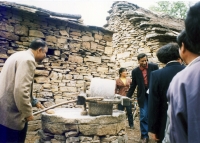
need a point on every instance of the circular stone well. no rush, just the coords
(67, 125)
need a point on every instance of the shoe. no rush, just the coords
(144, 140)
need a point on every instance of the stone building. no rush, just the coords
(78, 52)
(138, 30)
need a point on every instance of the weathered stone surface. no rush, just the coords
(108, 50)
(93, 59)
(9, 35)
(52, 39)
(41, 72)
(3, 56)
(128, 64)
(78, 76)
(6, 27)
(86, 45)
(98, 37)
(101, 69)
(61, 40)
(75, 33)
(21, 30)
(87, 38)
(69, 89)
(93, 46)
(74, 45)
(75, 59)
(42, 79)
(36, 33)
(60, 123)
(64, 33)
(107, 38)
(123, 55)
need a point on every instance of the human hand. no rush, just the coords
(39, 105)
(30, 118)
(50, 111)
(153, 137)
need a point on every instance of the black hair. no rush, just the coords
(37, 43)
(122, 70)
(168, 53)
(140, 56)
(192, 25)
(182, 38)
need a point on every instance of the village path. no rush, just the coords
(134, 134)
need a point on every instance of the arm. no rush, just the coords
(132, 85)
(23, 80)
(153, 103)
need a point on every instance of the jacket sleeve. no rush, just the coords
(153, 103)
(132, 85)
(23, 81)
(116, 88)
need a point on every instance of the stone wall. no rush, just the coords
(76, 54)
(139, 31)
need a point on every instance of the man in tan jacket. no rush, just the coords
(16, 101)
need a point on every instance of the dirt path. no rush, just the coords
(134, 134)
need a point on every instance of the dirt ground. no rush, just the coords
(134, 134)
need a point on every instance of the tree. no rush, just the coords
(176, 9)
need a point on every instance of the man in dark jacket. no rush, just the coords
(159, 83)
(140, 78)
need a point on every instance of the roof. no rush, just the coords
(69, 18)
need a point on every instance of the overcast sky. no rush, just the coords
(93, 12)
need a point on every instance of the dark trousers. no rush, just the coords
(8, 135)
(129, 113)
(144, 118)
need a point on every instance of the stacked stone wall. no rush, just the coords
(76, 54)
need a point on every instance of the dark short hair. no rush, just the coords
(37, 43)
(122, 70)
(140, 56)
(192, 25)
(168, 53)
(182, 38)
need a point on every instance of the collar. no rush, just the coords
(141, 68)
(171, 61)
(31, 53)
(193, 61)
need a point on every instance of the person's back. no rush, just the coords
(183, 92)
(159, 83)
(7, 78)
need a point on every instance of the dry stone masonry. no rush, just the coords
(67, 125)
(78, 53)
(139, 31)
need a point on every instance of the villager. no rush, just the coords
(140, 78)
(183, 93)
(16, 87)
(122, 87)
(158, 86)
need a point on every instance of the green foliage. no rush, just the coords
(176, 9)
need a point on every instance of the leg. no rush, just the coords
(22, 135)
(130, 115)
(144, 119)
(8, 135)
(120, 107)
